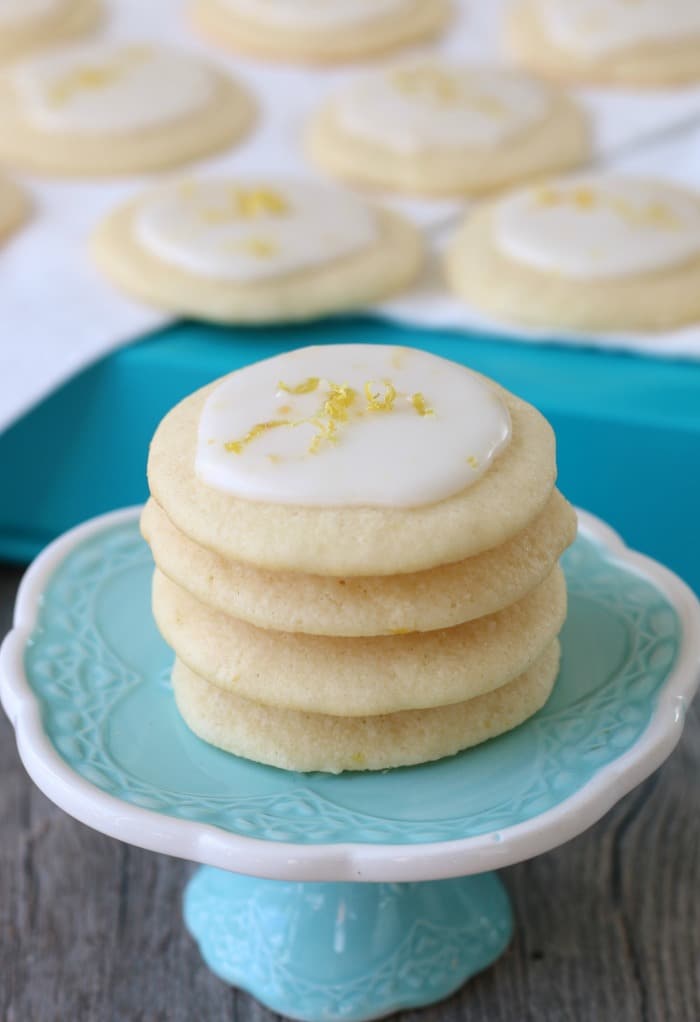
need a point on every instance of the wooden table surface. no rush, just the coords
(608, 926)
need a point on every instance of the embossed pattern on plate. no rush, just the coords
(100, 673)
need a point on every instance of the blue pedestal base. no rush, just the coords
(326, 952)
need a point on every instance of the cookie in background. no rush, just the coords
(437, 127)
(309, 32)
(116, 108)
(610, 42)
(584, 253)
(258, 249)
(29, 25)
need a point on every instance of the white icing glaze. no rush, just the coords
(595, 28)
(106, 88)
(595, 227)
(444, 429)
(247, 229)
(313, 15)
(14, 12)
(418, 106)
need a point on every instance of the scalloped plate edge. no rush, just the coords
(342, 862)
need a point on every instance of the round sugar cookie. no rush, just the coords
(385, 491)
(14, 207)
(645, 43)
(309, 741)
(596, 253)
(28, 25)
(256, 250)
(385, 605)
(117, 108)
(357, 676)
(438, 127)
(309, 32)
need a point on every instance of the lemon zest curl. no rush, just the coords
(377, 403)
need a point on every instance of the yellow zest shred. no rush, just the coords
(94, 76)
(336, 405)
(236, 446)
(254, 202)
(654, 214)
(419, 403)
(79, 80)
(327, 430)
(377, 403)
(659, 214)
(548, 196)
(306, 387)
(472, 461)
(246, 204)
(334, 410)
(584, 198)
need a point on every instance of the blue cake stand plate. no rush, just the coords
(277, 907)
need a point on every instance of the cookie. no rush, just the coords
(356, 558)
(438, 127)
(385, 605)
(309, 741)
(308, 32)
(381, 461)
(256, 250)
(14, 207)
(590, 253)
(353, 677)
(29, 25)
(615, 42)
(115, 108)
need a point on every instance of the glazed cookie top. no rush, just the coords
(385, 437)
(313, 15)
(598, 227)
(597, 28)
(347, 425)
(416, 106)
(247, 229)
(106, 88)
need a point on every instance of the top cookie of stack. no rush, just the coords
(356, 554)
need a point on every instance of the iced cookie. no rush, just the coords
(306, 31)
(645, 42)
(256, 250)
(599, 253)
(111, 108)
(444, 128)
(28, 25)
(14, 207)
(359, 676)
(450, 464)
(356, 556)
(380, 605)
(310, 741)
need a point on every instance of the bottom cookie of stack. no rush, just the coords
(296, 740)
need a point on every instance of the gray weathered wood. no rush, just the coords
(608, 926)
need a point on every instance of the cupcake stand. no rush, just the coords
(348, 897)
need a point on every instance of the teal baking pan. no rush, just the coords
(628, 428)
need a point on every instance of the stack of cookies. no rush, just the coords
(356, 551)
